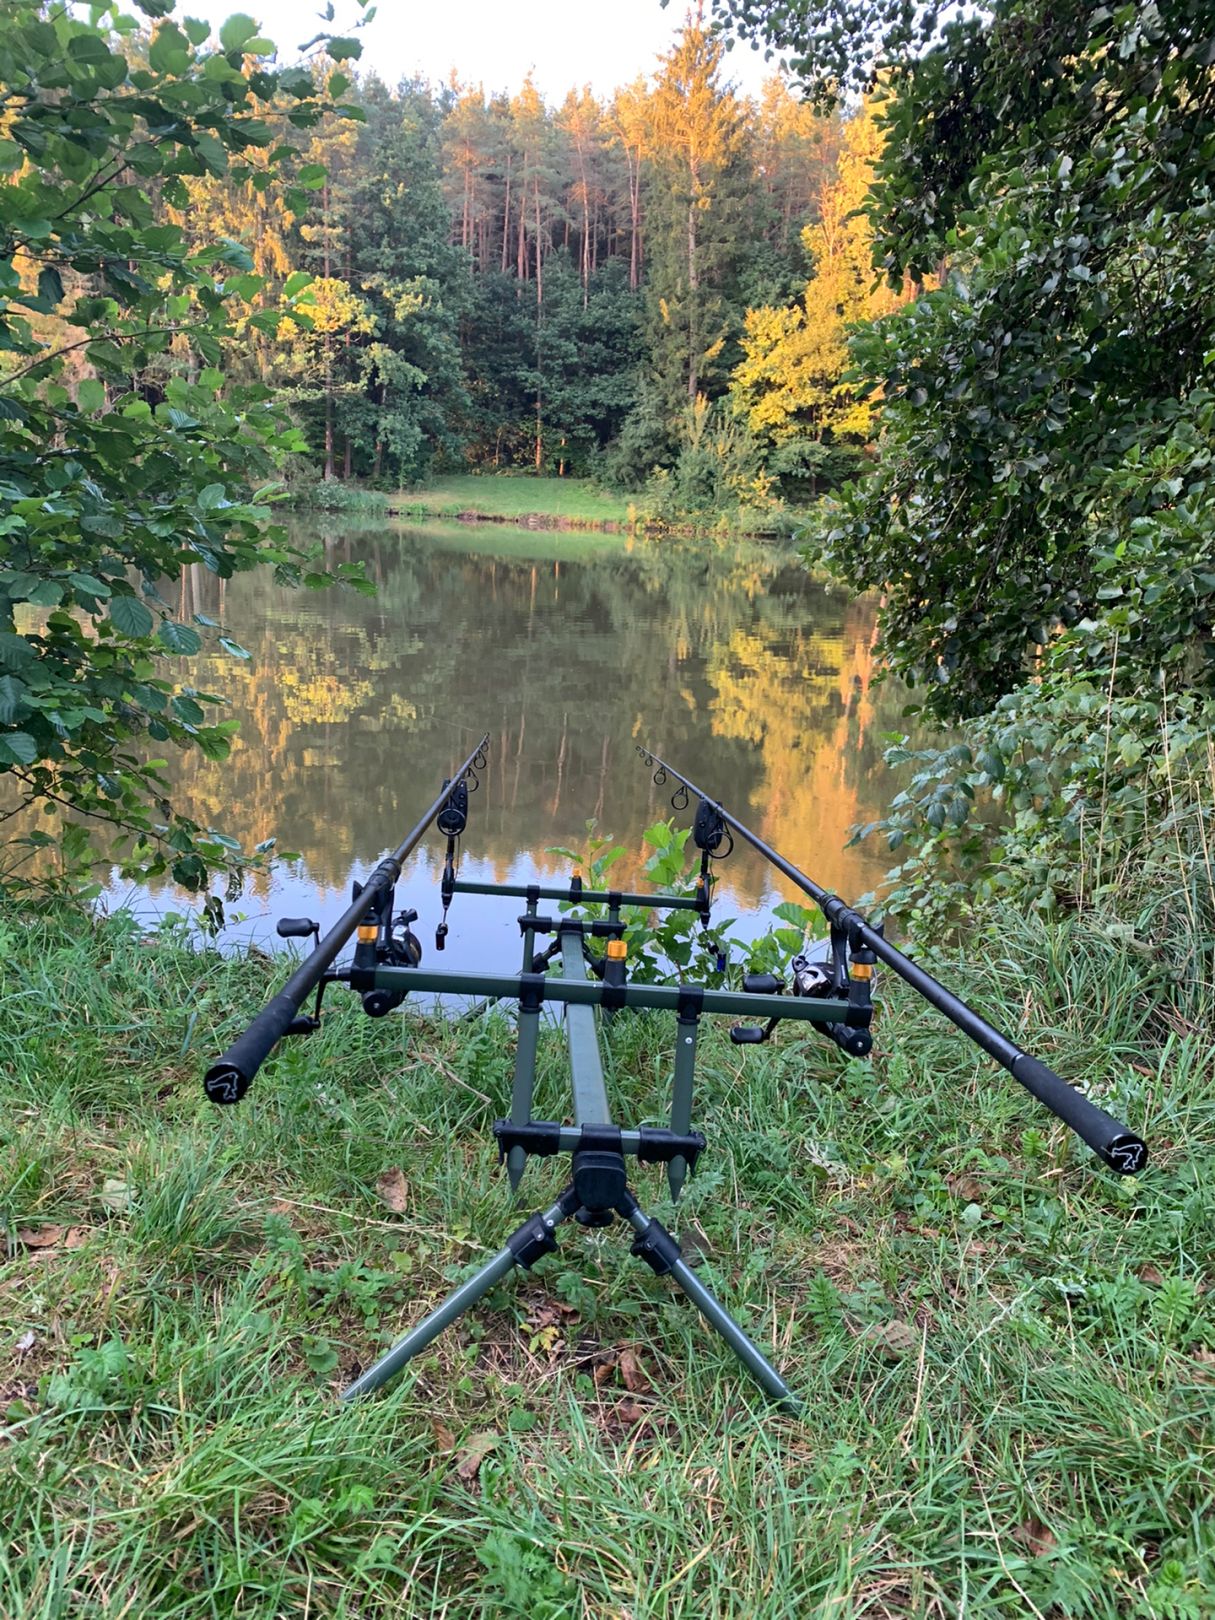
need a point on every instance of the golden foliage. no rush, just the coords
(791, 379)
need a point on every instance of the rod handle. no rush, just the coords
(231, 1075)
(1119, 1147)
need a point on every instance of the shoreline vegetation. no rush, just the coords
(535, 503)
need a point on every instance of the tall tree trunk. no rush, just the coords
(328, 474)
(506, 218)
(634, 223)
(539, 250)
(693, 323)
(586, 222)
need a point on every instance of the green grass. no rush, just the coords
(1033, 1436)
(571, 500)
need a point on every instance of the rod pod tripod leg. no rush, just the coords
(523, 1248)
(654, 1244)
(661, 1253)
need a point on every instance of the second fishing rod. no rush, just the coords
(1110, 1139)
(370, 913)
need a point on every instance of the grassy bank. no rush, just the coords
(543, 503)
(1005, 1352)
(567, 501)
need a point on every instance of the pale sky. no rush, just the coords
(603, 43)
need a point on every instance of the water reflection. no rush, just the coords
(733, 663)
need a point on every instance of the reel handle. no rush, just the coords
(296, 927)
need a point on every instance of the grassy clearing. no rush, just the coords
(571, 500)
(1006, 1354)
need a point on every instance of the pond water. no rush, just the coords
(728, 659)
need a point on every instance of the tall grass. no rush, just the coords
(1006, 1354)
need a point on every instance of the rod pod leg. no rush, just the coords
(660, 1251)
(523, 1248)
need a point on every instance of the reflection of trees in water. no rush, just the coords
(743, 669)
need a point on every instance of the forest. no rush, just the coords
(653, 289)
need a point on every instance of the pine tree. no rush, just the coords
(698, 184)
(630, 122)
(415, 282)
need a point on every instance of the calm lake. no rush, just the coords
(568, 649)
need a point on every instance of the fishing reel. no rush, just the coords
(385, 940)
(821, 979)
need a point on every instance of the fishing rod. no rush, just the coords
(1111, 1140)
(381, 938)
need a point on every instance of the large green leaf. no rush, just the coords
(129, 615)
(13, 696)
(236, 31)
(179, 638)
(17, 748)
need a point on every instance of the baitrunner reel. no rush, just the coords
(384, 940)
(820, 979)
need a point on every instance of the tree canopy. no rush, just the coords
(1042, 515)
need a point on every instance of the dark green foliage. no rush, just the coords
(123, 456)
(1043, 513)
(1062, 352)
(588, 350)
(400, 256)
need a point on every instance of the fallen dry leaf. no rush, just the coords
(115, 1194)
(968, 1188)
(393, 1191)
(1034, 1537)
(44, 1239)
(631, 1413)
(40, 1237)
(1150, 1274)
(445, 1440)
(603, 1371)
(634, 1379)
(895, 1339)
(476, 1449)
(545, 1314)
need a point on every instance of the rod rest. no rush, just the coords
(652, 1144)
(598, 929)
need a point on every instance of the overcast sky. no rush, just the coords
(603, 43)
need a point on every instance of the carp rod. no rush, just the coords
(1111, 1140)
(370, 911)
